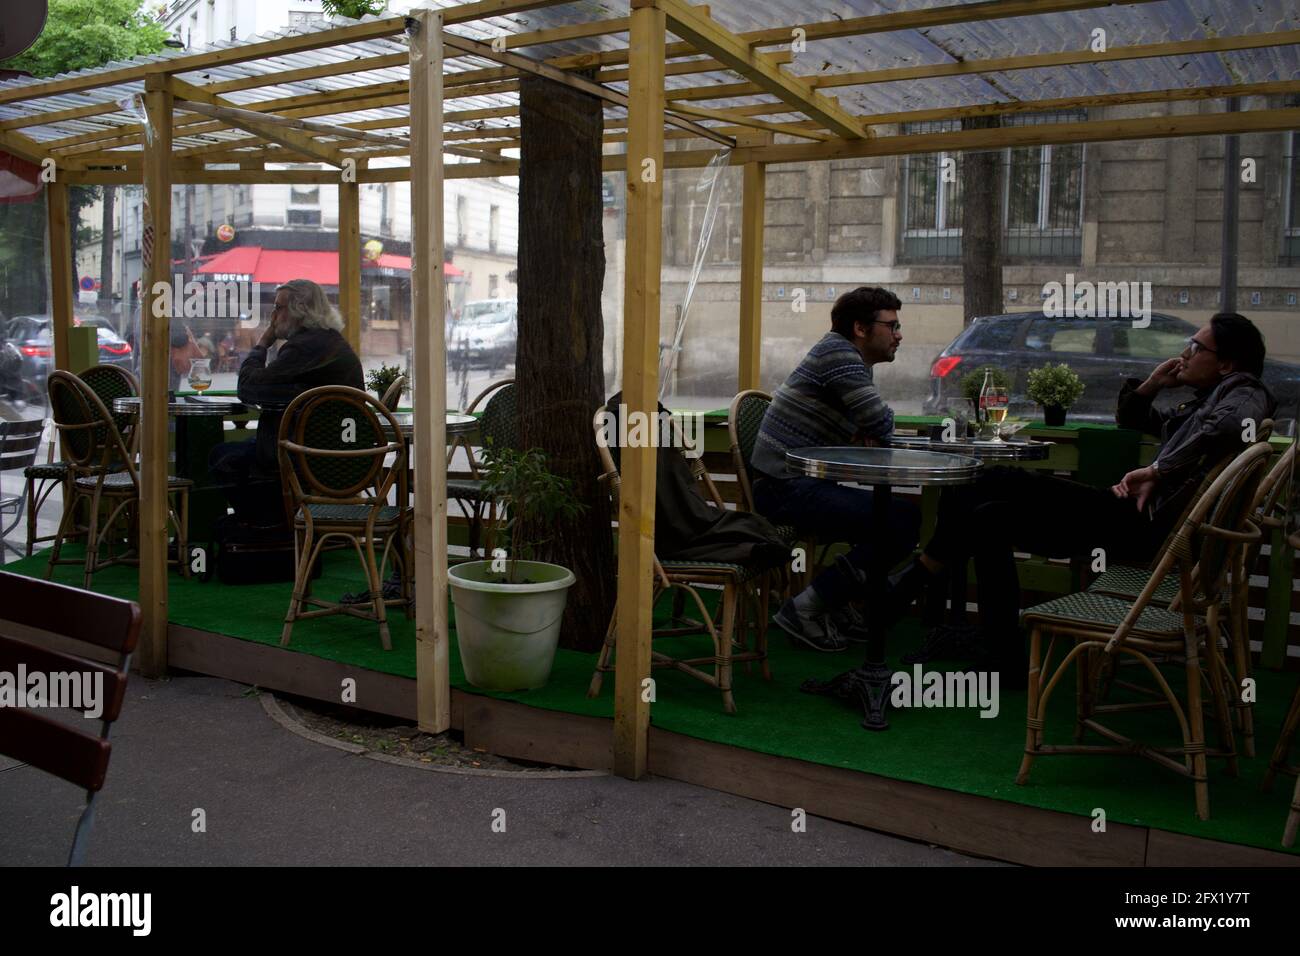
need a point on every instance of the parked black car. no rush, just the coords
(1103, 352)
(32, 337)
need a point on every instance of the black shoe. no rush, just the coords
(948, 642)
(392, 592)
(850, 624)
(908, 584)
(813, 630)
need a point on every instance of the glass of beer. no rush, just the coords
(996, 402)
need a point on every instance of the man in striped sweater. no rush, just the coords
(831, 399)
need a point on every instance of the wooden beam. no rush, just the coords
(1111, 130)
(753, 201)
(428, 307)
(61, 261)
(559, 76)
(350, 262)
(24, 147)
(155, 319)
(729, 116)
(1085, 55)
(297, 43)
(636, 513)
(287, 132)
(707, 36)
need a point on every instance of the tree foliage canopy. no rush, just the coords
(356, 9)
(83, 34)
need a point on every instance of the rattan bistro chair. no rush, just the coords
(332, 449)
(1101, 627)
(1278, 763)
(499, 427)
(744, 418)
(108, 382)
(393, 394)
(744, 604)
(103, 471)
(19, 443)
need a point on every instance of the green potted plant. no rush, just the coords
(508, 608)
(1056, 388)
(379, 379)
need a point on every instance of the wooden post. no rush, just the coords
(433, 680)
(155, 317)
(350, 262)
(751, 274)
(56, 198)
(636, 517)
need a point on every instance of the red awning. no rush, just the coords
(20, 181)
(275, 266)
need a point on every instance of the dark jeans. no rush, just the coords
(257, 500)
(1011, 509)
(832, 512)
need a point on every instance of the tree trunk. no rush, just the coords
(559, 365)
(981, 227)
(106, 255)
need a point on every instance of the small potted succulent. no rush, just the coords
(379, 379)
(508, 608)
(1056, 388)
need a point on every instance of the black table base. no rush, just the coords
(867, 685)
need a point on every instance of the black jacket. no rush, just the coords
(689, 528)
(308, 358)
(1194, 436)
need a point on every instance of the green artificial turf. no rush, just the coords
(950, 748)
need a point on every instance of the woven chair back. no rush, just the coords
(91, 441)
(393, 394)
(499, 426)
(335, 443)
(110, 382)
(744, 419)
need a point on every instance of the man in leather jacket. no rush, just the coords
(1009, 510)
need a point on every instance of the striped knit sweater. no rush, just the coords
(829, 399)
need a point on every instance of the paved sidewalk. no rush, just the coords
(272, 797)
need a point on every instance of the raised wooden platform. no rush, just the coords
(965, 822)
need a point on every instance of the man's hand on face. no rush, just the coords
(1137, 484)
(268, 337)
(1164, 376)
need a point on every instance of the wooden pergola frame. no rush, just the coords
(321, 127)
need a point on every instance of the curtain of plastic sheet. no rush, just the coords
(709, 181)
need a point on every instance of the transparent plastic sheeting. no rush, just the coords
(709, 180)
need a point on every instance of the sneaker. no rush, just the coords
(850, 624)
(963, 642)
(814, 630)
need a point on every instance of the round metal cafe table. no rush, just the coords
(181, 407)
(983, 449)
(882, 468)
(457, 424)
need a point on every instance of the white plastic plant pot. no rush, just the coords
(508, 632)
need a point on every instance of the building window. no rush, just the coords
(303, 217)
(304, 195)
(494, 286)
(1042, 212)
(494, 227)
(1291, 202)
(462, 220)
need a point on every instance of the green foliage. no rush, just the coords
(534, 499)
(378, 379)
(356, 9)
(1054, 385)
(83, 34)
(973, 381)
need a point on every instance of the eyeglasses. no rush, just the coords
(1193, 346)
(893, 327)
